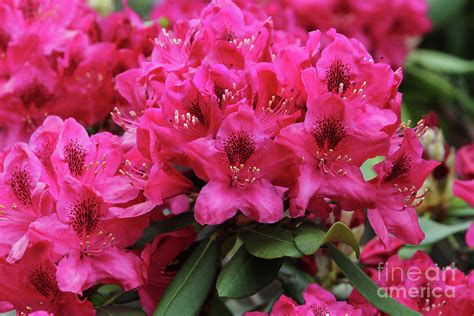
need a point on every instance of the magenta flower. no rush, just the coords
(24, 199)
(422, 286)
(30, 286)
(464, 187)
(317, 301)
(400, 177)
(332, 143)
(87, 238)
(243, 170)
(156, 259)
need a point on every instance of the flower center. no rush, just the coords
(43, 281)
(328, 133)
(75, 156)
(21, 185)
(320, 310)
(238, 148)
(85, 216)
(338, 77)
(227, 35)
(401, 166)
(4, 40)
(30, 8)
(36, 94)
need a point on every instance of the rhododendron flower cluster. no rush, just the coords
(388, 30)
(421, 285)
(235, 138)
(260, 125)
(60, 57)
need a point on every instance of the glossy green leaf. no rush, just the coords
(339, 232)
(121, 310)
(367, 287)
(270, 242)
(308, 238)
(439, 86)
(440, 62)
(219, 309)
(461, 212)
(167, 225)
(294, 281)
(190, 287)
(245, 275)
(367, 167)
(435, 231)
(443, 11)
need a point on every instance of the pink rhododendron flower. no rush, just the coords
(31, 286)
(241, 167)
(173, 11)
(464, 187)
(157, 257)
(59, 57)
(317, 301)
(375, 252)
(400, 177)
(421, 285)
(329, 145)
(24, 199)
(87, 238)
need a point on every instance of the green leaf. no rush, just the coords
(165, 226)
(439, 86)
(367, 167)
(106, 295)
(270, 242)
(120, 311)
(461, 212)
(339, 232)
(219, 309)
(294, 281)
(440, 62)
(190, 287)
(435, 231)
(375, 295)
(442, 11)
(309, 238)
(245, 275)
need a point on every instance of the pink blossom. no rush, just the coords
(88, 237)
(242, 168)
(400, 177)
(174, 11)
(318, 301)
(332, 144)
(31, 286)
(24, 199)
(421, 285)
(157, 257)
(464, 188)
